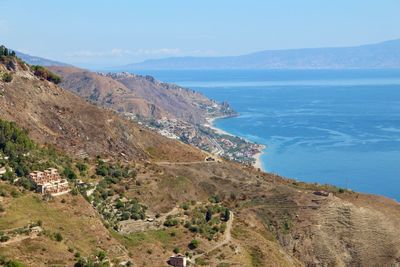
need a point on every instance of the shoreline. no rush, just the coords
(258, 164)
(210, 124)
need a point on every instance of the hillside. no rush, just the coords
(34, 60)
(147, 197)
(140, 95)
(53, 115)
(381, 55)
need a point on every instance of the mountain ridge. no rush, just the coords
(35, 60)
(380, 55)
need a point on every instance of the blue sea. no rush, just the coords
(340, 127)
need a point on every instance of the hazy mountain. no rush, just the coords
(33, 60)
(381, 55)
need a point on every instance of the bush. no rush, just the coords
(82, 167)
(69, 173)
(169, 222)
(194, 244)
(101, 255)
(13, 264)
(176, 250)
(44, 73)
(58, 237)
(4, 238)
(7, 77)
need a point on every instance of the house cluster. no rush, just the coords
(49, 182)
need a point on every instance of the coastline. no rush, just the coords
(258, 164)
(210, 124)
(257, 157)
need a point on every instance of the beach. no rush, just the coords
(257, 157)
(258, 163)
(210, 124)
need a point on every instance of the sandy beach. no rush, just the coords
(258, 162)
(210, 124)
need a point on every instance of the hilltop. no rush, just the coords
(381, 55)
(144, 196)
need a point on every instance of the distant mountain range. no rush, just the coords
(381, 55)
(33, 60)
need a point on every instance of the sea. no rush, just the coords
(339, 127)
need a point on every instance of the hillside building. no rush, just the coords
(177, 260)
(49, 182)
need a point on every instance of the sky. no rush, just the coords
(100, 33)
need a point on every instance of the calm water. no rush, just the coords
(336, 127)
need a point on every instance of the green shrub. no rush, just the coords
(4, 238)
(169, 222)
(13, 264)
(58, 237)
(194, 244)
(7, 77)
(69, 173)
(44, 73)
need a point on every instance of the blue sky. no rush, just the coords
(109, 33)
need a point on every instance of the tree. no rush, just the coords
(69, 173)
(226, 214)
(208, 215)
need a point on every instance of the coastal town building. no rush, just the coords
(49, 182)
(177, 260)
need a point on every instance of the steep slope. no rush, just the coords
(381, 55)
(277, 222)
(59, 117)
(140, 95)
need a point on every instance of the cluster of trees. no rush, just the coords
(131, 209)
(4, 51)
(44, 73)
(20, 155)
(208, 221)
(15, 146)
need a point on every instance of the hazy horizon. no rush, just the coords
(100, 33)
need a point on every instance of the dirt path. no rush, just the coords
(227, 238)
(164, 163)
